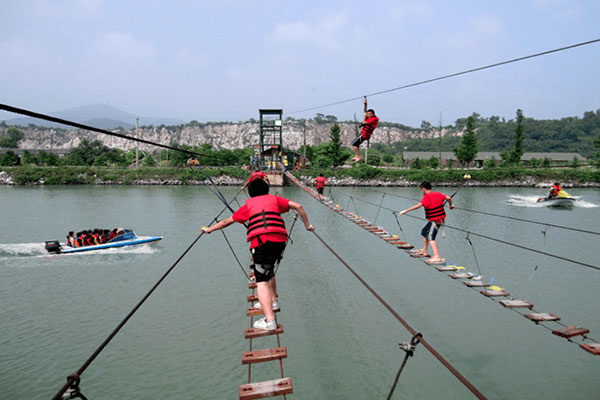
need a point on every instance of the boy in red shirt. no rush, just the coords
(433, 202)
(320, 185)
(267, 236)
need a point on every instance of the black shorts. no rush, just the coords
(266, 256)
(430, 230)
(359, 139)
(320, 190)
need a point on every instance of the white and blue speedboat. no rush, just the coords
(127, 238)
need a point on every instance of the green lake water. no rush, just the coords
(186, 341)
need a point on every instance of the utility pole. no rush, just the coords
(304, 160)
(137, 127)
(440, 139)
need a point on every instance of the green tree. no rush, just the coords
(12, 138)
(434, 162)
(417, 164)
(335, 146)
(467, 150)
(517, 151)
(28, 158)
(9, 158)
(47, 158)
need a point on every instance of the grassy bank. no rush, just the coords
(364, 172)
(27, 175)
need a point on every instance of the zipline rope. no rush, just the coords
(546, 224)
(494, 239)
(437, 355)
(76, 376)
(103, 131)
(449, 76)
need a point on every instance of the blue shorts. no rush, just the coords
(430, 230)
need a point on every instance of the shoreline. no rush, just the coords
(363, 176)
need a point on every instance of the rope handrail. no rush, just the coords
(76, 376)
(494, 239)
(505, 216)
(98, 130)
(432, 350)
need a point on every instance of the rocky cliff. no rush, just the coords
(219, 135)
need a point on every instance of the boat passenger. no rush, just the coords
(554, 190)
(112, 234)
(267, 236)
(433, 202)
(71, 239)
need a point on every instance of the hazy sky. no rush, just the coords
(214, 61)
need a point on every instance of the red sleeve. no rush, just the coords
(426, 201)
(241, 215)
(283, 204)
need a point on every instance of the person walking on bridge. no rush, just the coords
(268, 237)
(320, 185)
(433, 202)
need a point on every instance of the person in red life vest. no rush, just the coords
(554, 190)
(433, 202)
(320, 185)
(267, 236)
(369, 124)
(257, 174)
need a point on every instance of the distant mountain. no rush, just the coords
(97, 115)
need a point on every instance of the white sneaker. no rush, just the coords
(264, 325)
(275, 305)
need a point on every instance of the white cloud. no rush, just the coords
(410, 12)
(328, 32)
(122, 46)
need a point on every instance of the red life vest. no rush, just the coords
(368, 127)
(264, 216)
(435, 211)
(320, 182)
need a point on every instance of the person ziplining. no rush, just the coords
(369, 123)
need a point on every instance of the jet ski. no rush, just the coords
(127, 238)
(562, 199)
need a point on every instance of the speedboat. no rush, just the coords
(127, 238)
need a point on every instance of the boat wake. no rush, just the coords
(531, 201)
(10, 250)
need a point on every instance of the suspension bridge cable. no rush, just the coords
(449, 76)
(495, 239)
(546, 224)
(437, 355)
(76, 376)
(103, 131)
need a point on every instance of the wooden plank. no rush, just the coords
(405, 246)
(494, 293)
(463, 275)
(256, 356)
(516, 304)
(251, 333)
(593, 348)
(476, 284)
(397, 241)
(251, 285)
(539, 317)
(446, 268)
(256, 311)
(571, 331)
(260, 390)
(252, 298)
